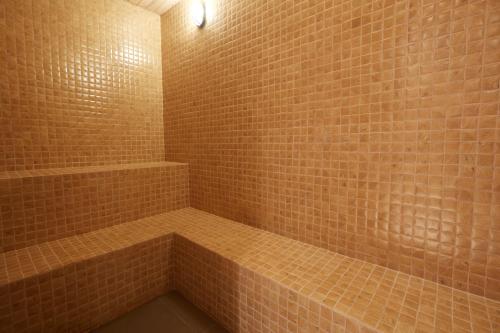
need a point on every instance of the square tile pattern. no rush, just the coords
(79, 283)
(81, 84)
(248, 279)
(367, 127)
(47, 204)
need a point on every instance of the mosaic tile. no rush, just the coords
(81, 84)
(369, 128)
(248, 279)
(46, 204)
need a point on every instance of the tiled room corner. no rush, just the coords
(250, 166)
(369, 128)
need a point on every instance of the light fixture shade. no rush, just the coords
(198, 13)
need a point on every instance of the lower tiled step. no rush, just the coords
(83, 294)
(247, 279)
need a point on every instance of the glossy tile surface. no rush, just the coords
(46, 204)
(369, 128)
(68, 289)
(237, 273)
(81, 84)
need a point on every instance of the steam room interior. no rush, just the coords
(250, 166)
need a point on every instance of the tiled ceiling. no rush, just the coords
(156, 6)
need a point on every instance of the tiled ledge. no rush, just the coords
(259, 264)
(79, 295)
(83, 170)
(42, 205)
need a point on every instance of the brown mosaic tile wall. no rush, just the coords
(370, 128)
(86, 294)
(81, 84)
(42, 205)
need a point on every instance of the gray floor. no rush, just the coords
(168, 313)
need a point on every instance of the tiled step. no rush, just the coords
(64, 291)
(42, 205)
(248, 279)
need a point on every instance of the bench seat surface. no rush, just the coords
(379, 297)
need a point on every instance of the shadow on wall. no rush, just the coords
(208, 281)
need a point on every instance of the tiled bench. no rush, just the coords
(42, 205)
(55, 283)
(248, 279)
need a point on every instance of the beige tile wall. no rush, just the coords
(36, 206)
(80, 84)
(370, 128)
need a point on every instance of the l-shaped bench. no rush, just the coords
(248, 279)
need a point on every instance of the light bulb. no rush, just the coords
(198, 13)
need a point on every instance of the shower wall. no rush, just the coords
(80, 84)
(370, 128)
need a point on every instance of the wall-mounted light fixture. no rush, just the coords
(198, 13)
